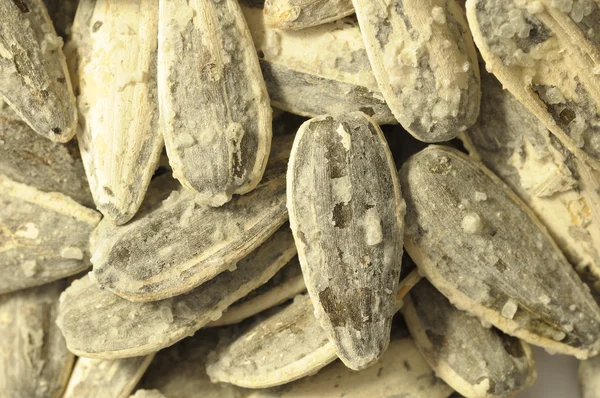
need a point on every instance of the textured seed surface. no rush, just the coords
(347, 213)
(549, 62)
(33, 72)
(493, 258)
(301, 14)
(559, 188)
(215, 112)
(174, 244)
(99, 378)
(34, 360)
(319, 70)
(474, 360)
(116, 49)
(99, 324)
(589, 378)
(424, 60)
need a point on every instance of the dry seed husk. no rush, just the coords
(559, 188)
(544, 66)
(34, 360)
(347, 216)
(286, 284)
(33, 71)
(319, 70)
(215, 112)
(424, 59)
(301, 14)
(99, 324)
(44, 236)
(174, 244)
(493, 258)
(474, 360)
(589, 378)
(99, 378)
(116, 48)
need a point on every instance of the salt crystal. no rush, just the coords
(480, 197)
(510, 309)
(71, 253)
(471, 223)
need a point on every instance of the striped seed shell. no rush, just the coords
(492, 257)
(214, 107)
(474, 360)
(424, 59)
(548, 62)
(119, 138)
(99, 324)
(99, 378)
(34, 360)
(33, 71)
(589, 378)
(319, 70)
(347, 216)
(301, 14)
(174, 244)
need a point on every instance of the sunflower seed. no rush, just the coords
(347, 213)
(35, 362)
(100, 378)
(473, 360)
(560, 189)
(174, 245)
(301, 14)
(319, 70)
(99, 324)
(425, 63)
(542, 62)
(589, 378)
(116, 47)
(493, 258)
(287, 283)
(33, 72)
(214, 106)
(147, 394)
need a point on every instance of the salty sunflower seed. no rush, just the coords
(474, 360)
(589, 378)
(35, 362)
(99, 324)
(116, 49)
(559, 188)
(424, 59)
(98, 378)
(174, 244)
(346, 213)
(301, 14)
(214, 107)
(493, 258)
(319, 70)
(537, 55)
(33, 72)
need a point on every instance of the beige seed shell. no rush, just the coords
(301, 14)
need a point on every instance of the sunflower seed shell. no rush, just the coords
(301, 14)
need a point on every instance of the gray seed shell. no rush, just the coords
(347, 215)
(99, 324)
(215, 112)
(100, 378)
(424, 59)
(174, 245)
(34, 360)
(493, 258)
(33, 72)
(589, 378)
(301, 14)
(474, 360)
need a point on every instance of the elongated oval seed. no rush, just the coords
(301, 14)
(425, 63)
(474, 360)
(174, 245)
(119, 138)
(347, 214)
(99, 324)
(33, 71)
(35, 361)
(493, 258)
(214, 106)
(589, 378)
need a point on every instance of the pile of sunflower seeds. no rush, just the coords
(213, 198)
